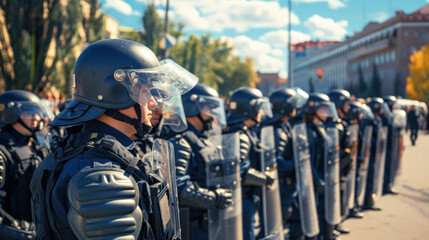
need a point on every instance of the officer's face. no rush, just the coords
(156, 116)
(146, 112)
(31, 119)
(346, 107)
(323, 113)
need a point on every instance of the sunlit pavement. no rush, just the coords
(404, 216)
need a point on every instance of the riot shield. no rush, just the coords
(270, 202)
(332, 177)
(363, 165)
(351, 181)
(304, 179)
(164, 162)
(399, 125)
(380, 159)
(223, 171)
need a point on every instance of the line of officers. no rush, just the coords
(144, 152)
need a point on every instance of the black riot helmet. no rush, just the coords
(339, 97)
(205, 99)
(283, 102)
(314, 101)
(246, 103)
(16, 105)
(115, 74)
(390, 100)
(376, 105)
(356, 111)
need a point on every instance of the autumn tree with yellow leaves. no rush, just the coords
(418, 81)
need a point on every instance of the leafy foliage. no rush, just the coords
(418, 82)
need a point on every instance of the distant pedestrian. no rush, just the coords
(413, 123)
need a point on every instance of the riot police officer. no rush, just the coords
(247, 107)
(341, 99)
(194, 152)
(94, 185)
(320, 115)
(377, 156)
(353, 118)
(22, 115)
(296, 186)
(413, 123)
(394, 145)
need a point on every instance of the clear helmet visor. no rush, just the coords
(34, 113)
(168, 76)
(213, 107)
(385, 109)
(171, 110)
(367, 112)
(302, 97)
(263, 106)
(327, 111)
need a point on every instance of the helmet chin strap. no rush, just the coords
(32, 131)
(141, 128)
(207, 124)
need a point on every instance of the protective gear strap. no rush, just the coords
(104, 203)
(141, 128)
(254, 177)
(195, 197)
(207, 124)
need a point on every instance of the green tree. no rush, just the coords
(32, 29)
(152, 28)
(311, 85)
(362, 87)
(375, 83)
(95, 24)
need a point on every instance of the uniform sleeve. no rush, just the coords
(284, 151)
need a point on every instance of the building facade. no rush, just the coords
(380, 49)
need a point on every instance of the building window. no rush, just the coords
(381, 58)
(387, 57)
(376, 60)
(393, 56)
(367, 63)
(405, 33)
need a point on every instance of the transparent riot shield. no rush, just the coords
(223, 171)
(351, 181)
(363, 165)
(271, 205)
(399, 125)
(304, 179)
(332, 177)
(164, 161)
(380, 159)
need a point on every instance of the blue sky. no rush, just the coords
(258, 28)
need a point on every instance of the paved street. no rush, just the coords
(405, 216)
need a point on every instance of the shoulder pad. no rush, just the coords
(2, 169)
(104, 204)
(182, 152)
(245, 146)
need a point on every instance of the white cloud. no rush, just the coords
(120, 6)
(259, 51)
(381, 16)
(326, 28)
(277, 52)
(217, 15)
(137, 13)
(333, 4)
(279, 38)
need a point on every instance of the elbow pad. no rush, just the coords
(254, 177)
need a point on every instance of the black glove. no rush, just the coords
(269, 180)
(319, 186)
(223, 198)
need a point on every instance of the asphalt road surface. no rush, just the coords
(404, 216)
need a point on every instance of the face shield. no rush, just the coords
(302, 97)
(385, 109)
(34, 113)
(327, 111)
(367, 112)
(169, 108)
(143, 84)
(263, 106)
(213, 107)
